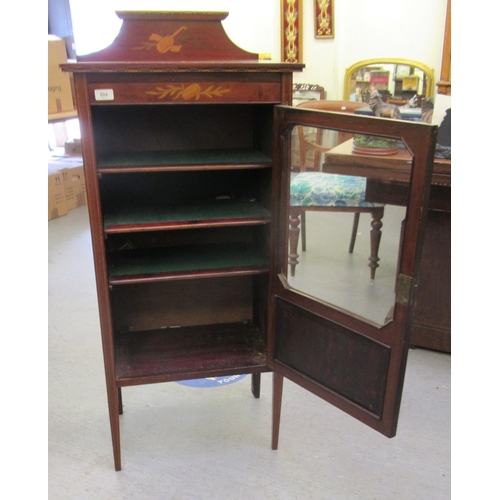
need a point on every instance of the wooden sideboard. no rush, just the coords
(431, 325)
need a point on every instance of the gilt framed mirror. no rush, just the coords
(398, 80)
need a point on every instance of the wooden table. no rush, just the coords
(387, 182)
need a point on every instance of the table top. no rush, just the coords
(342, 160)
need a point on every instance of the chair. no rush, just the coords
(318, 191)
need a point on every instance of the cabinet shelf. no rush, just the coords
(186, 215)
(184, 262)
(205, 159)
(183, 353)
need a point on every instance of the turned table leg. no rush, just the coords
(294, 233)
(375, 235)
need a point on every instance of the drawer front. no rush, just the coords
(184, 91)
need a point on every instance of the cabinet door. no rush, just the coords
(339, 320)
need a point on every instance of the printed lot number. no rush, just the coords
(104, 95)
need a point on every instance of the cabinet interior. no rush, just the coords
(135, 135)
(173, 329)
(185, 194)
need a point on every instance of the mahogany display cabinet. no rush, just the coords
(186, 147)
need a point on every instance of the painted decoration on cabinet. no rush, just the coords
(193, 91)
(162, 43)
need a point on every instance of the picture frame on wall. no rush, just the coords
(324, 19)
(291, 31)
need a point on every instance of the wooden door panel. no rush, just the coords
(342, 361)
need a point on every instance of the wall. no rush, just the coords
(413, 29)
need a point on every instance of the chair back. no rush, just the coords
(324, 105)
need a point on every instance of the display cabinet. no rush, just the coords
(188, 202)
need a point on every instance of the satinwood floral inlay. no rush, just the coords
(193, 91)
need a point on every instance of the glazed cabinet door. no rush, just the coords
(341, 305)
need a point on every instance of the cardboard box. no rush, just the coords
(73, 147)
(57, 197)
(74, 187)
(66, 180)
(60, 93)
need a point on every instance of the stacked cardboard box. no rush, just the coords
(66, 186)
(57, 198)
(60, 85)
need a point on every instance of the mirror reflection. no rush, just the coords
(344, 223)
(399, 81)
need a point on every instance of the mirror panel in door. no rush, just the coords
(344, 229)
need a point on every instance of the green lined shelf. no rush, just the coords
(135, 266)
(185, 215)
(165, 160)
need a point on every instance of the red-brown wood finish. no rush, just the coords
(171, 36)
(170, 84)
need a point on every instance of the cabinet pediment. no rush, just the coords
(171, 36)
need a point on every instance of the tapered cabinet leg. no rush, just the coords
(120, 401)
(256, 385)
(114, 420)
(277, 397)
(115, 436)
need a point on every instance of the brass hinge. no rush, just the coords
(403, 289)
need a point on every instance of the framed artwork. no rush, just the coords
(291, 31)
(323, 19)
(307, 92)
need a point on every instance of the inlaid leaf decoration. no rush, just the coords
(193, 91)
